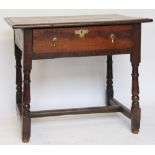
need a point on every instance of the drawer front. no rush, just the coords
(82, 39)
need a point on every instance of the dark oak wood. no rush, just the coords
(135, 60)
(97, 39)
(50, 55)
(56, 37)
(18, 56)
(123, 109)
(27, 65)
(109, 90)
(113, 108)
(70, 21)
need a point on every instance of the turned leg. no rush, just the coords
(109, 90)
(135, 60)
(135, 109)
(27, 65)
(26, 107)
(18, 56)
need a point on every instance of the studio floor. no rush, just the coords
(90, 129)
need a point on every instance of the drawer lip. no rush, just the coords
(98, 39)
(48, 55)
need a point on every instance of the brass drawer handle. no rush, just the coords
(112, 36)
(81, 33)
(54, 40)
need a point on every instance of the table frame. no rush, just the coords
(23, 90)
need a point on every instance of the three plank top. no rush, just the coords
(68, 21)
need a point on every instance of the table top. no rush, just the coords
(68, 21)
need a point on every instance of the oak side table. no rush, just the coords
(76, 36)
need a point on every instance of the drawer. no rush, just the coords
(82, 39)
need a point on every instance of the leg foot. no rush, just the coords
(135, 131)
(135, 119)
(26, 129)
(25, 140)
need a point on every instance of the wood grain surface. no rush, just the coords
(97, 39)
(67, 21)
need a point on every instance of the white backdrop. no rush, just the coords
(75, 82)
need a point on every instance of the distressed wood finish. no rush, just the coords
(27, 65)
(50, 55)
(98, 39)
(33, 40)
(75, 111)
(135, 60)
(70, 21)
